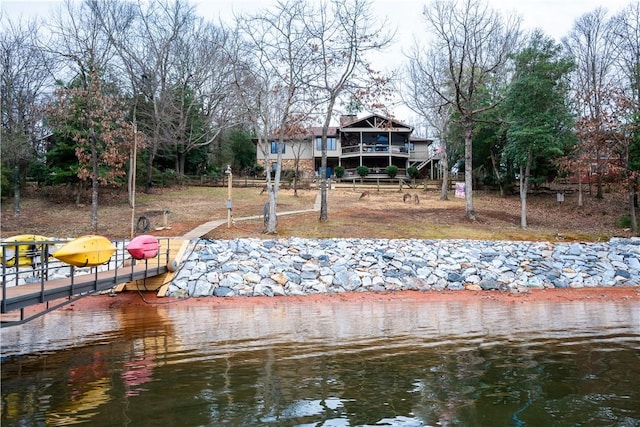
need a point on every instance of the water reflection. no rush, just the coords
(335, 363)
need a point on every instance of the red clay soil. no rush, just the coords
(133, 299)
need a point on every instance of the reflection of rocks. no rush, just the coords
(296, 266)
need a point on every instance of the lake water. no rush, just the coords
(337, 363)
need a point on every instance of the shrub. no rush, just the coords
(288, 175)
(6, 183)
(624, 222)
(413, 172)
(362, 171)
(339, 171)
(489, 180)
(392, 171)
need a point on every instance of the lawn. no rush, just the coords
(376, 214)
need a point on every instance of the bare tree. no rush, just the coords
(591, 43)
(419, 96)
(626, 28)
(273, 74)
(341, 34)
(165, 51)
(301, 142)
(79, 43)
(26, 75)
(470, 50)
(201, 89)
(626, 32)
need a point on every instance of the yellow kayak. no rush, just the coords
(24, 252)
(86, 251)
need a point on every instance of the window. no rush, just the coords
(274, 147)
(332, 143)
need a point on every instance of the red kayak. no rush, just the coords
(143, 247)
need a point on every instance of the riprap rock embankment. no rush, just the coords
(295, 266)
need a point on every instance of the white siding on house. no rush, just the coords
(300, 150)
(317, 152)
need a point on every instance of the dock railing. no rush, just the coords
(30, 275)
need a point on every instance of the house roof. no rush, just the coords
(376, 121)
(371, 122)
(317, 131)
(420, 139)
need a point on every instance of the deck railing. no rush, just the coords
(374, 173)
(42, 269)
(369, 149)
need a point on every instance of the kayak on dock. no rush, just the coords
(143, 247)
(26, 252)
(86, 251)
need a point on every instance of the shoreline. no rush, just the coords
(132, 298)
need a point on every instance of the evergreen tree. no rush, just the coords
(538, 120)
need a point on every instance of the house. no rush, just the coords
(374, 141)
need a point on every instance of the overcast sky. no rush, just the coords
(554, 17)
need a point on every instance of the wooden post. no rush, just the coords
(229, 187)
(132, 178)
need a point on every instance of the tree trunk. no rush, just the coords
(496, 171)
(77, 192)
(16, 191)
(632, 208)
(524, 187)
(468, 169)
(149, 180)
(180, 161)
(580, 202)
(272, 221)
(151, 152)
(323, 162)
(94, 185)
(295, 180)
(599, 194)
(444, 190)
(269, 187)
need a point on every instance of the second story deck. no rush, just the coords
(375, 149)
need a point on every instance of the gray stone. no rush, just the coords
(455, 277)
(262, 289)
(309, 275)
(201, 288)
(489, 284)
(293, 277)
(252, 277)
(623, 273)
(634, 263)
(222, 291)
